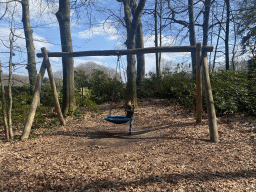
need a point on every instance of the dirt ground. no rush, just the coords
(166, 152)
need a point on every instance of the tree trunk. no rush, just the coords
(53, 86)
(131, 27)
(207, 85)
(10, 90)
(63, 16)
(217, 44)
(158, 71)
(234, 48)
(7, 134)
(160, 29)
(35, 101)
(31, 67)
(199, 105)
(131, 74)
(139, 43)
(227, 34)
(192, 36)
(140, 56)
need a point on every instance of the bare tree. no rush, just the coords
(11, 38)
(192, 33)
(7, 133)
(158, 71)
(190, 25)
(31, 66)
(63, 16)
(140, 56)
(132, 22)
(218, 39)
(246, 23)
(227, 34)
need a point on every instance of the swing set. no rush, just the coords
(201, 63)
(118, 119)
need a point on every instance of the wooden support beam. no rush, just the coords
(53, 86)
(127, 51)
(209, 101)
(35, 101)
(199, 108)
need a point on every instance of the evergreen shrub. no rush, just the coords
(233, 91)
(102, 87)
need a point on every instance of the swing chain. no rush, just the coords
(113, 94)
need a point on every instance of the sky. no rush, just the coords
(99, 35)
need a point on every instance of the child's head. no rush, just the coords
(129, 103)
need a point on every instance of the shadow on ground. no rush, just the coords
(65, 182)
(141, 133)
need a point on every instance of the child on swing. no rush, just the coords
(129, 108)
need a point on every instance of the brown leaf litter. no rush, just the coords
(166, 152)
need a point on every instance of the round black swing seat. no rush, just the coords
(117, 119)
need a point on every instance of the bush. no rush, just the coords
(176, 86)
(180, 87)
(84, 99)
(102, 87)
(150, 87)
(46, 97)
(234, 92)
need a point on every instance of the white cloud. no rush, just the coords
(98, 57)
(149, 41)
(20, 39)
(40, 12)
(80, 61)
(55, 59)
(103, 29)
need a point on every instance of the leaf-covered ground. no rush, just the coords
(167, 152)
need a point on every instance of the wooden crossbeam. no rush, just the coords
(127, 51)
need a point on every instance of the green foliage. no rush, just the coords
(21, 104)
(46, 97)
(175, 86)
(102, 87)
(150, 87)
(84, 99)
(180, 87)
(81, 79)
(40, 117)
(33, 135)
(234, 92)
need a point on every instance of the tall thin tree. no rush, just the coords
(227, 34)
(31, 66)
(132, 22)
(63, 16)
(9, 114)
(192, 34)
(7, 133)
(156, 40)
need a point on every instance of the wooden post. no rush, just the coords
(199, 108)
(53, 86)
(35, 101)
(209, 101)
